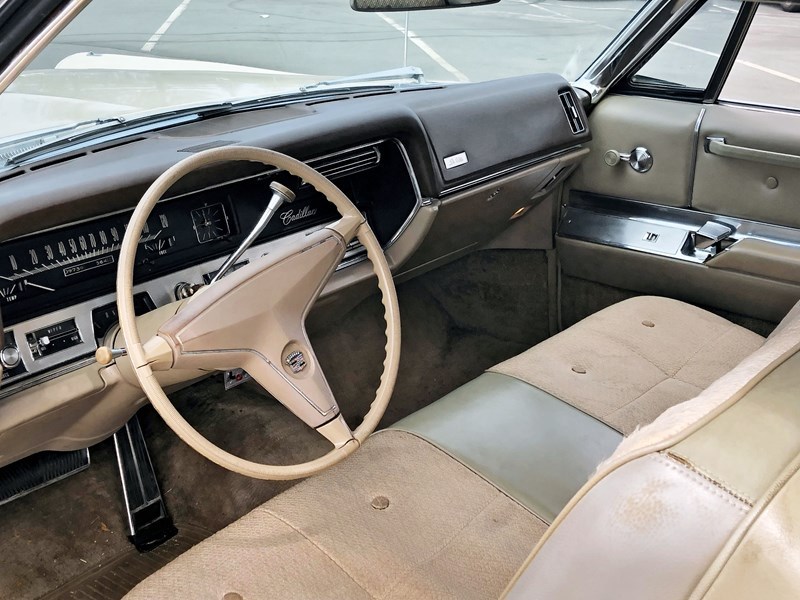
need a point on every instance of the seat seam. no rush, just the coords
(709, 475)
(320, 548)
(651, 388)
(702, 349)
(472, 470)
(545, 389)
(399, 579)
(622, 342)
(703, 481)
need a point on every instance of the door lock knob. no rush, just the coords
(639, 159)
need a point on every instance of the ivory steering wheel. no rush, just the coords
(254, 319)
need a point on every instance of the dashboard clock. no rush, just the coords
(210, 223)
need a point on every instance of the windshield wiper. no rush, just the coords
(85, 133)
(415, 74)
(97, 128)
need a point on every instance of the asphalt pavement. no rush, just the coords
(327, 38)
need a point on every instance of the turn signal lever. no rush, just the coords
(105, 355)
(280, 194)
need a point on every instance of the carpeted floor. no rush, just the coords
(456, 321)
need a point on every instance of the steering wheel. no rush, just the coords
(254, 319)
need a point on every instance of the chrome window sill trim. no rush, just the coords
(583, 212)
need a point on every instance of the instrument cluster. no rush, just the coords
(52, 269)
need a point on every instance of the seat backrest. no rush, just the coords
(702, 503)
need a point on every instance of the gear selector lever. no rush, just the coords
(280, 194)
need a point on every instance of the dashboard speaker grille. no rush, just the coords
(576, 123)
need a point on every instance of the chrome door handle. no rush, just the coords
(639, 159)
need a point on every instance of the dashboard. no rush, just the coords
(436, 170)
(75, 265)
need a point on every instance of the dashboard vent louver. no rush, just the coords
(571, 110)
(347, 162)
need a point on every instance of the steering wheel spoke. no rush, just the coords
(347, 226)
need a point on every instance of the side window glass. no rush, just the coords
(767, 69)
(689, 58)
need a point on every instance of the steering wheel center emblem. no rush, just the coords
(296, 361)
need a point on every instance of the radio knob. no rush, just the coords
(9, 356)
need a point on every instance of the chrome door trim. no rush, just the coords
(621, 223)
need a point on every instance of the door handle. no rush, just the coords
(718, 146)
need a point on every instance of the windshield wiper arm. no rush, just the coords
(413, 73)
(104, 127)
(117, 127)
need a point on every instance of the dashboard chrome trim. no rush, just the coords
(510, 170)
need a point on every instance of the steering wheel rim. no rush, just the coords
(142, 362)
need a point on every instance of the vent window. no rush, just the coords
(573, 114)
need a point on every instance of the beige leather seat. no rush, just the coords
(438, 511)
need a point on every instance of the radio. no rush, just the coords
(55, 338)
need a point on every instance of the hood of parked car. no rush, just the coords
(90, 86)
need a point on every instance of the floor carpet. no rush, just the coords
(456, 321)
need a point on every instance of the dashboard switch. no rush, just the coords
(9, 356)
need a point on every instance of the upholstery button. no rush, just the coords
(232, 596)
(380, 503)
(579, 370)
(772, 183)
(648, 324)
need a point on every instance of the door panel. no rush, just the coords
(751, 189)
(666, 128)
(642, 231)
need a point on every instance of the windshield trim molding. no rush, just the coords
(30, 50)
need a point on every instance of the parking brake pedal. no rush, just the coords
(148, 522)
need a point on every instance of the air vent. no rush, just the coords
(347, 162)
(573, 115)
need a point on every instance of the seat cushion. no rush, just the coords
(628, 363)
(446, 533)
(533, 446)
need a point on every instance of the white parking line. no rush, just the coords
(739, 61)
(151, 43)
(726, 8)
(415, 39)
(565, 18)
(768, 70)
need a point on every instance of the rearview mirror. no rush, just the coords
(403, 5)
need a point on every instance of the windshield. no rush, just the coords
(127, 59)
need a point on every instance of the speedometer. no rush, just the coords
(48, 262)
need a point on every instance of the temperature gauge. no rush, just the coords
(160, 246)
